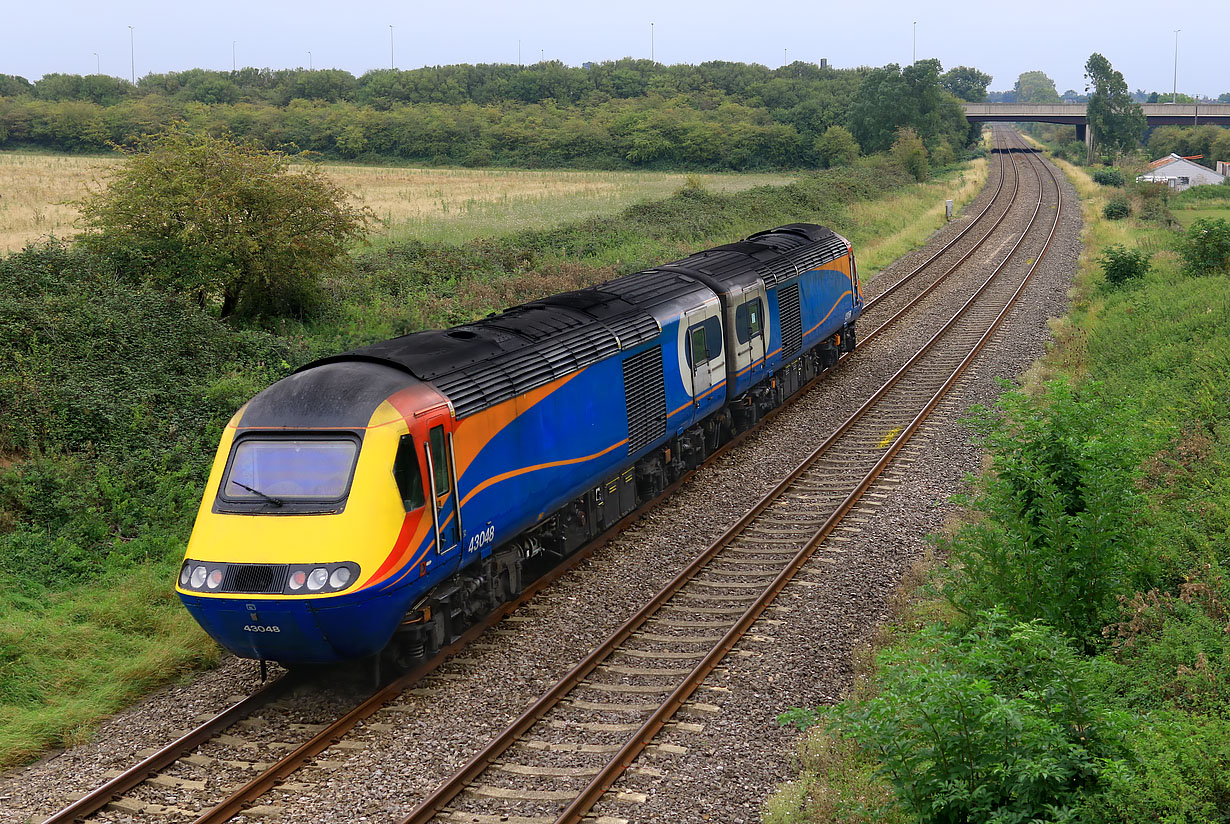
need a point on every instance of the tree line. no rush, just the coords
(626, 113)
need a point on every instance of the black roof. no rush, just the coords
(486, 362)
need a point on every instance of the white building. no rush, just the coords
(1179, 173)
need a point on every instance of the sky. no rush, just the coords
(77, 37)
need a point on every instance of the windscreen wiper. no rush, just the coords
(269, 498)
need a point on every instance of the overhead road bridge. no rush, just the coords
(1073, 114)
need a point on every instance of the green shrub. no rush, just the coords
(1108, 177)
(998, 722)
(1206, 247)
(1060, 541)
(1121, 264)
(1117, 208)
(909, 151)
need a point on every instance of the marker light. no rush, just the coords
(185, 574)
(318, 578)
(297, 579)
(339, 578)
(215, 579)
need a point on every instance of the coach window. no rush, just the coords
(406, 473)
(438, 459)
(747, 320)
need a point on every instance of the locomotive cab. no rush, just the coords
(322, 486)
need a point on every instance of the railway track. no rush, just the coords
(621, 687)
(621, 695)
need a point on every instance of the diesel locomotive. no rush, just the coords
(400, 491)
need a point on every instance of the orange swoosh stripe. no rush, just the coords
(524, 470)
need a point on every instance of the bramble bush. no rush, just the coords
(1121, 264)
(1060, 539)
(1117, 208)
(1000, 721)
(1108, 177)
(1206, 247)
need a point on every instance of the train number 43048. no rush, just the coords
(481, 539)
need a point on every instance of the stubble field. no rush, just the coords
(450, 205)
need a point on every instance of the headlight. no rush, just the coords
(215, 579)
(297, 579)
(318, 578)
(339, 578)
(198, 577)
(185, 574)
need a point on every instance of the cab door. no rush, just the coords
(704, 350)
(437, 449)
(749, 333)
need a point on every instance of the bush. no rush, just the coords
(1117, 208)
(1060, 541)
(1109, 177)
(998, 722)
(1206, 247)
(223, 221)
(909, 151)
(837, 147)
(1121, 264)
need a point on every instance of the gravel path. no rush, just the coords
(801, 654)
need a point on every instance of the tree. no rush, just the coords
(1116, 120)
(837, 147)
(224, 221)
(892, 97)
(909, 151)
(967, 83)
(1035, 87)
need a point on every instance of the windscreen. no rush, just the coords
(273, 470)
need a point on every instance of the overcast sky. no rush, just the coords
(38, 38)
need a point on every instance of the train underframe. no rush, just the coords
(474, 592)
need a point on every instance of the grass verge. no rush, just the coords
(1072, 661)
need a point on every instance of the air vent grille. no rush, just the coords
(255, 578)
(645, 396)
(791, 319)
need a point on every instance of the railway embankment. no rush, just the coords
(1070, 661)
(117, 393)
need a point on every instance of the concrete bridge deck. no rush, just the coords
(1156, 114)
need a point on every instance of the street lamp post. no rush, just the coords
(390, 45)
(132, 55)
(652, 59)
(784, 57)
(310, 68)
(233, 42)
(1174, 94)
(915, 60)
(97, 64)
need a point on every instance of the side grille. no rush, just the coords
(645, 396)
(791, 319)
(255, 578)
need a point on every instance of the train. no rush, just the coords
(380, 501)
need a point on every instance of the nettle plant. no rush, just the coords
(1059, 540)
(1000, 721)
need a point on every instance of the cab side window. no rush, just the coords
(698, 352)
(748, 323)
(406, 473)
(439, 463)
